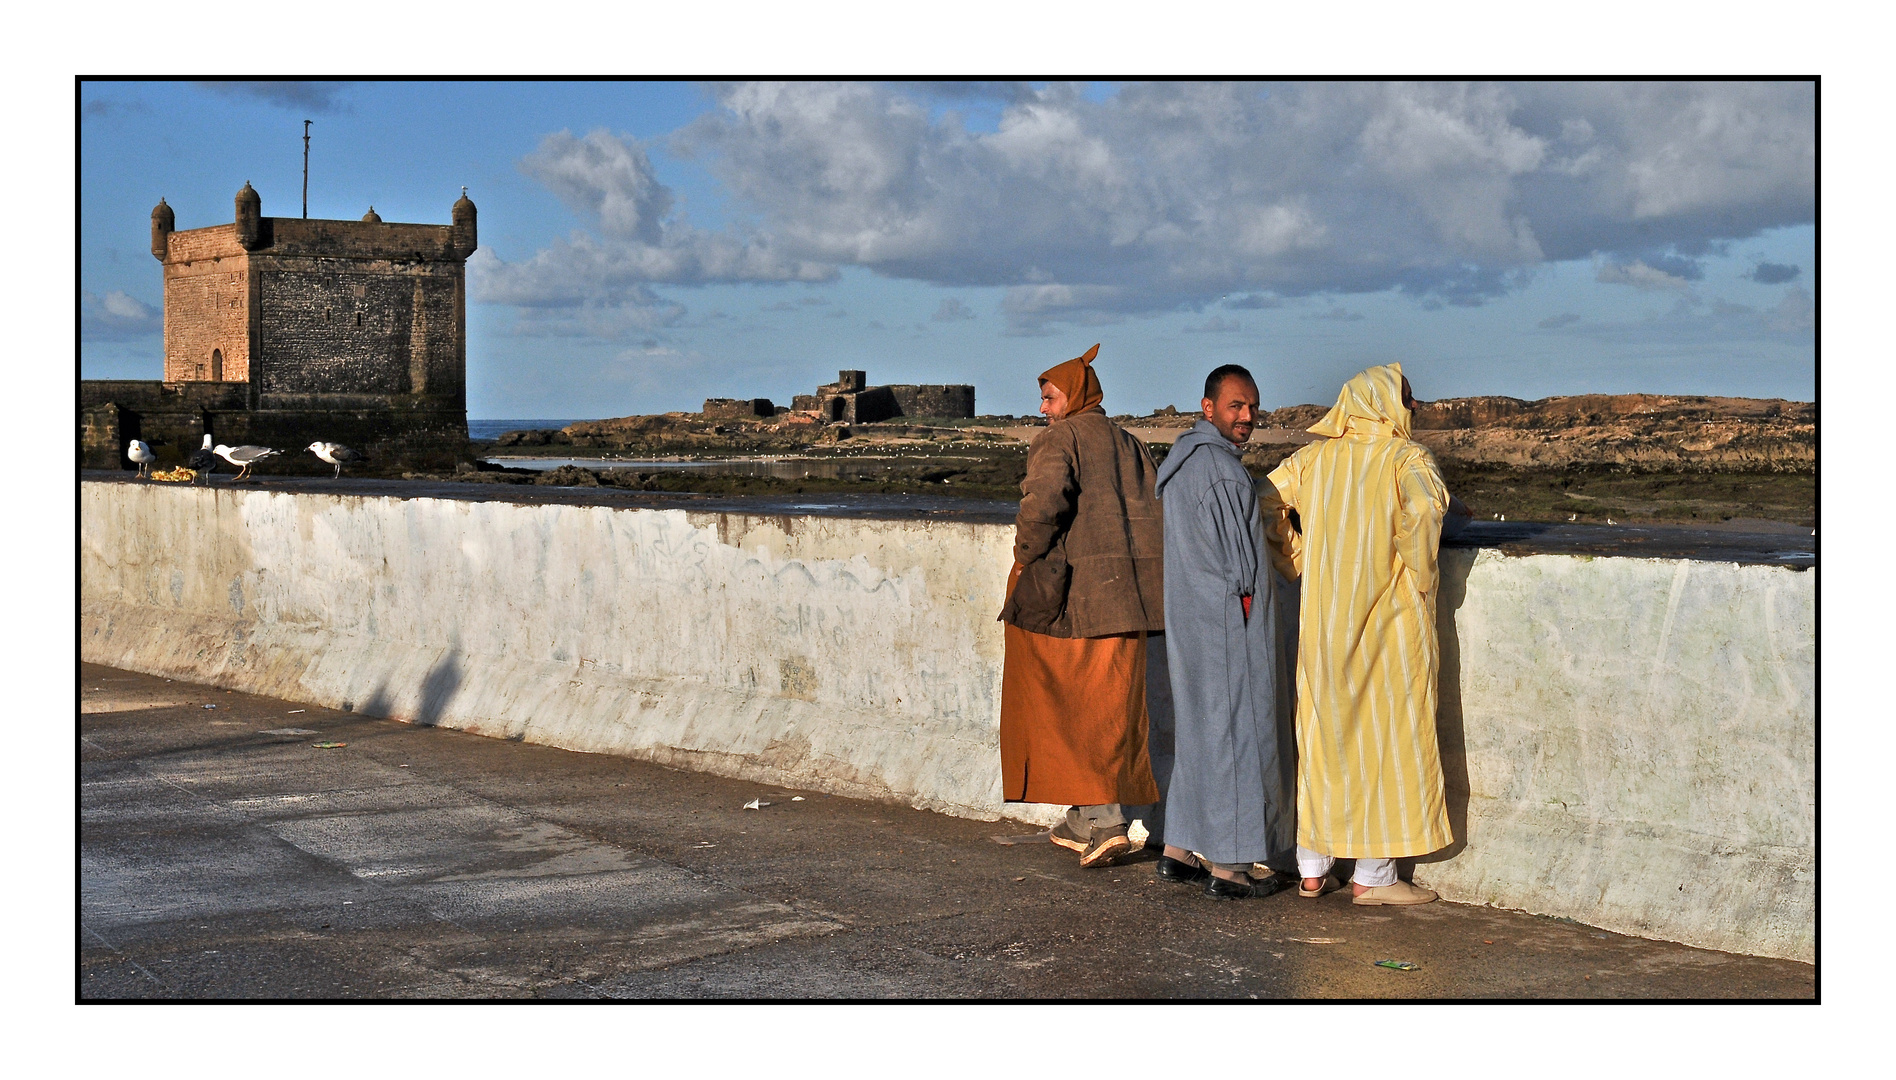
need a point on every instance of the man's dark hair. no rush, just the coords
(1219, 374)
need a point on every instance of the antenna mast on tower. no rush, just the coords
(306, 124)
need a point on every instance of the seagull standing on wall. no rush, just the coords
(337, 454)
(202, 461)
(142, 456)
(243, 457)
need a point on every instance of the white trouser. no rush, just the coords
(1369, 872)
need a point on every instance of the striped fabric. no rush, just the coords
(1369, 774)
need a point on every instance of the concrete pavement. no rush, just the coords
(223, 854)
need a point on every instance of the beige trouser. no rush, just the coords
(1084, 819)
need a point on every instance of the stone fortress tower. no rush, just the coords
(286, 330)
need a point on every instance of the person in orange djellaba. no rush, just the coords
(1085, 590)
(1369, 505)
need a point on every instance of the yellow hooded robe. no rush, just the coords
(1370, 500)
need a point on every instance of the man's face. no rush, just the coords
(1408, 395)
(1234, 411)
(1053, 401)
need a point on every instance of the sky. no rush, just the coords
(644, 246)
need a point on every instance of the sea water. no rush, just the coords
(783, 468)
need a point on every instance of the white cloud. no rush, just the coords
(952, 310)
(1030, 309)
(610, 178)
(588, 284)
(1169, 196)
(117, 316)
(1640, 276)
(1172, 194)
(1254, 300)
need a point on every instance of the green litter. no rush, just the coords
(1397, 965)
(329, 745)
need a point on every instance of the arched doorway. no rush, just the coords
(217, 365)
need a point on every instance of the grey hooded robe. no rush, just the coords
(1229, 796)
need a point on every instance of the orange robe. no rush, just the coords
(1073, 719)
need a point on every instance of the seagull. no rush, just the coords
(337, 454)
(142, 455)
(1610, 521)
(243, 457)
(203, 460)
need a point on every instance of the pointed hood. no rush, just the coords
(1370, 404)
(1076, 380)
(1202, 438)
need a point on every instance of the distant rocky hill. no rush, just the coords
(1636, 432)
(1640, 431)
(1644, 432)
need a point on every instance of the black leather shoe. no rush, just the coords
(1219, 889)
(1170, 869)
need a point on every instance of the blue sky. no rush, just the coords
(647, 245)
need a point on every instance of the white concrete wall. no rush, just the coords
(1632, 743)
(1639, 734)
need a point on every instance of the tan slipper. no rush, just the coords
(1401, 893)
(1330, 885)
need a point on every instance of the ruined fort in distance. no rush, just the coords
(851, 400)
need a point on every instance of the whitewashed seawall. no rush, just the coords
(1638, 733)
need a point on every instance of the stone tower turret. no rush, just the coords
(464, 240)
(163, 223)
(372, 216)
(249, 218)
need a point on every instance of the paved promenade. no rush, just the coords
(225, 854)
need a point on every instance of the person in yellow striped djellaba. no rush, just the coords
(1368, 505)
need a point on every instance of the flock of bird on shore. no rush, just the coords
(203, 461)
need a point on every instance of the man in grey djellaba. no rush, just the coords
(1229, 804)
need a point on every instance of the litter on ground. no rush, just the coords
(329, 745)
(1396, 965)
(755, 804)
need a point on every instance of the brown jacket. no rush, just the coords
(1089, 533)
